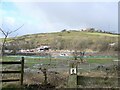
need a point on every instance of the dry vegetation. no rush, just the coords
(66, 40)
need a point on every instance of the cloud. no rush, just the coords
(40, 17)
(76, 15)
(10, 20)
(36, 17)
(61, 0)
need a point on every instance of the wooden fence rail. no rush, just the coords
(7, 72)
(76, 81)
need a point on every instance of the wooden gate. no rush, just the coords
(20, 71)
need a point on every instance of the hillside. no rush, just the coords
(48, 37)
(66, 40)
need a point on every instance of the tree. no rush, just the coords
(6, 34)
(64, 30)
(44, 71)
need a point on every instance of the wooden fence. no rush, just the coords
(84, 81)
(97, 81)
(20, 71)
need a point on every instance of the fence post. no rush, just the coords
(22, 70)
(72, 81)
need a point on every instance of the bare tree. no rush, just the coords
(6, 34)
(44, 71)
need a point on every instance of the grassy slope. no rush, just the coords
(46, 38)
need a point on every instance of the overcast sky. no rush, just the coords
(42, 17)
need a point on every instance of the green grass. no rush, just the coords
(11, 86)
(100, 60)
(32, 61)
(29, 62)
(5, 58)
(101, 34)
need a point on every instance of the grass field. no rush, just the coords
(55, 61)
(46, 60)
(60, 65)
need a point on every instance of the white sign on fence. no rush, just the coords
(73, 71)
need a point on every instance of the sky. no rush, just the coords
(46, 16)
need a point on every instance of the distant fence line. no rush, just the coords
(20, 71)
